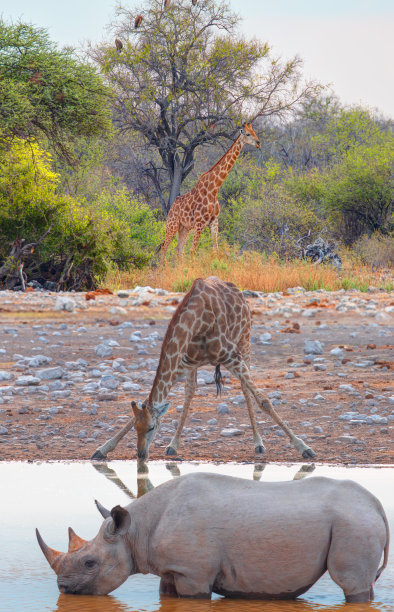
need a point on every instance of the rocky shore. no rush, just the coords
(69, 367)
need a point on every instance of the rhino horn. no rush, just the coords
(51, 555)
(103, 511)
(74, 541)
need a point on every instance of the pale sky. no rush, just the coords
(348, 43)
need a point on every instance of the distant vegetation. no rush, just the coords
(93, 153)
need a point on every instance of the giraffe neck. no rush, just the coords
(175, 345)
(218, 173)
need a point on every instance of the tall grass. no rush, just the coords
(248, 270)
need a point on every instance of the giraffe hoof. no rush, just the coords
(98, 456)
(308, 453)
(259, 450)
(170, 450)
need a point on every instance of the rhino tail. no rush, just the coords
(386, 546)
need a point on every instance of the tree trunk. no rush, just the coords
(175, 184)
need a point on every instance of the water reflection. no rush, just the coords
(144, 483)
(78, 603)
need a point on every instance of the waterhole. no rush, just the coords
(52, 496)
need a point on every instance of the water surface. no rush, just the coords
(52, 496)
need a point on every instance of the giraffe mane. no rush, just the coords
(168, 333)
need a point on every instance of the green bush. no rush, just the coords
(83, 239)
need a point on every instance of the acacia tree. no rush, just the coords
(185, 77)
(46, 93)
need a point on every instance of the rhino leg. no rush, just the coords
(167, 587)
(192, 587)
(354, 556)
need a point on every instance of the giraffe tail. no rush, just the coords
(159, 248)
(218, 380)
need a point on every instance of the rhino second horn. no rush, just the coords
(74, 541)
(51, 555)
(103, 511)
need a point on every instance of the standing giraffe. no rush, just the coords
(210, 326)
(199, 207)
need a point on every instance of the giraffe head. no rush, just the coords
(147, 421)
(249, 136)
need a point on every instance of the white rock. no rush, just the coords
(26, 381)
(129, 386)
(50, 373)
(103, 350)
(229, 433)
(64, 303)
(117, 310)
(313, 347)
(337, 352)
(5, 375)
(3, 431)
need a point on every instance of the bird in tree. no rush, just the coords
(118, 45)
(167, 3)
(194, 2)
(137, 22)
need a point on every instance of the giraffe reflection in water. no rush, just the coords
(144, 483)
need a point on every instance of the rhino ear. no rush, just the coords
(121, 520)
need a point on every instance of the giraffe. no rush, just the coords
(199, 207)
(211, 325)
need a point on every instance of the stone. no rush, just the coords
(118, 310)
(129, 386)
(103, 350)
(265, 338)
(348, 388)
(337, 352)
(212, 422)
(50, 373)
(313, 347)
(123, 294)
(109, 382)
(289, 375)
(107, 395)
(317, 429)
(64, 303)
(223, 408)
(26, 381)
(5, 375)
(3, 431)
(229, 433)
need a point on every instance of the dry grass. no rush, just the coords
(247, 271)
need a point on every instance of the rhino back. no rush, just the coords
(238, 533)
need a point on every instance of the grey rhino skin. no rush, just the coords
(205, 533)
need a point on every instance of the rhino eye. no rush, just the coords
(90, 563)
(150, 429)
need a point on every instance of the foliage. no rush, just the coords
(47, 94)
(82, 241)
(376, 250)
(185, 78)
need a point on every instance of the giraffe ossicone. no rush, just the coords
(199, 208)
(212, 325)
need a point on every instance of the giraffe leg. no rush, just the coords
(182, 235)
(214, 227)
(244, 349)
(196, 238)
(238, 367)
(171, 230)
(258, 443)
(190, 387)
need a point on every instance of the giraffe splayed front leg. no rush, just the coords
(190, 388)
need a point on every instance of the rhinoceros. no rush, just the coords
(207, 533)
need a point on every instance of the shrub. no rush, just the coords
(82, 240)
